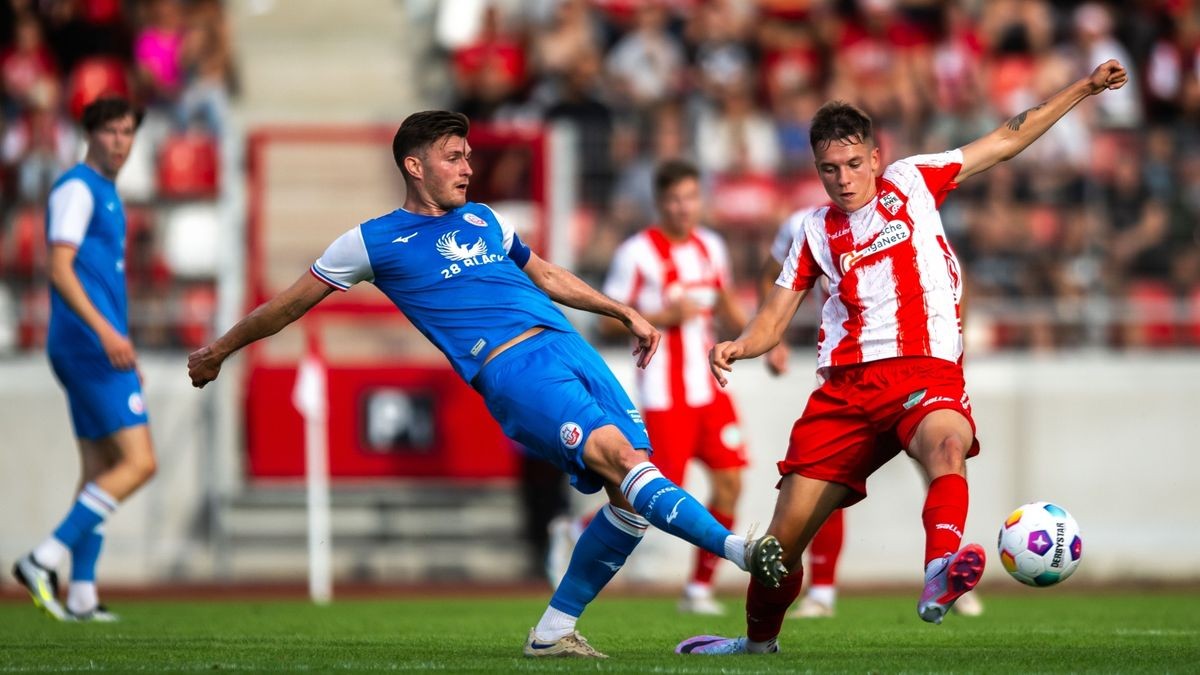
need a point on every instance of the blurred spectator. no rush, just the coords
(866, 68)
(957, 65)
(792, 57)
(647, 64)
(489, 72)
(1094, 29)
(39, 145)
(26, 68)
(1138, 243)
(208, 66)
(661, 136)
(1016, 33)
(793, 115)
(79, 29)
(736, 132)
(719, 51)
(579, 104)
(571, 34)
(158, 54)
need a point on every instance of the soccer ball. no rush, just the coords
(1040, 544)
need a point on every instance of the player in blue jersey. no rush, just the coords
(94, 361)
(465, 279)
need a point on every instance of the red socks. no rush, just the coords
(766, 607)
(706, 563)
(944, 515)
(825, 549)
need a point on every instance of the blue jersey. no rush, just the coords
(457, 277)
(85, 212)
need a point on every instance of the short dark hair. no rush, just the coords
(839, 121)
(106, 109)
(419, 130)
(672, 172)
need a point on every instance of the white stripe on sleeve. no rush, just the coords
(506, 230)
(345, 262)
(71, 206)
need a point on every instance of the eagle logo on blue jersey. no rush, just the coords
(449, 247)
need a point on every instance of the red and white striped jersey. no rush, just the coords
(648, 273)
(895, 283)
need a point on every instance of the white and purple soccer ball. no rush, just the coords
(1040, 544)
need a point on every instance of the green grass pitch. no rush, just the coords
(1035, 631)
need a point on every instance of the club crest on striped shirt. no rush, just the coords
(891, 201)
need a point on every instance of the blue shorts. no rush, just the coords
(550, 392)
(103, 400)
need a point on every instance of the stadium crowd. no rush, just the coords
(1090, 238)
(174, 58)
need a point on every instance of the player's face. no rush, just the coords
(109, 145)
(847, 171)
(679, 206)
(447, 167)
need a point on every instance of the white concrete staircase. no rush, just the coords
(324, 61)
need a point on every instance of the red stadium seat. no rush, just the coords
(1193, 320)
(187, 167)
(746, 200)
(93, 78)
(1151, 315)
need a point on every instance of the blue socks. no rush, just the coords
(671, 509)
(93, 506)
(600, 552)
(614, 533)
(85, 553)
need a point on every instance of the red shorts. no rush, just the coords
(865, 414)
(710, 434)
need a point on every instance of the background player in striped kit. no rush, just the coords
(677, 274)
(94, 361)
(889, 352)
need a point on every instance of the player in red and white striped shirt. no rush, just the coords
(825, 549)
(889, 352)
(676, 273)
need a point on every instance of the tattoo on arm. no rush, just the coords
(1015, 123)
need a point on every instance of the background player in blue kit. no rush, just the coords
(92, 357)
(465, 279)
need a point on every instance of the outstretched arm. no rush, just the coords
(567, 289)
(204, 364)
(762, 333)
(1016, 134)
